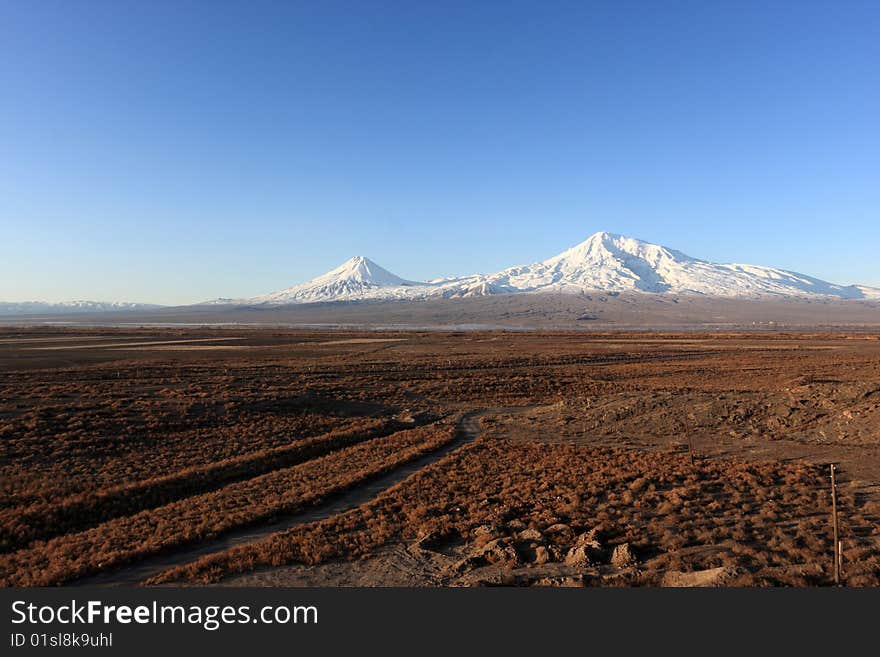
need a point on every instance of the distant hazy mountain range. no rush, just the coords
(67, 307)
(604, 262)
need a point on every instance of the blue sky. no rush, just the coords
(179, 151)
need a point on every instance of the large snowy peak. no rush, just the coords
(610, 262)
(603, 261)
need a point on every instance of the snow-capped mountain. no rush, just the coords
(64, 307)
(603, 262)
(356, 278)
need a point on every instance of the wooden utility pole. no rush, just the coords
(837, 556)
(686, 431)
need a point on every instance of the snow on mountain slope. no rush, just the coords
(46, 308)
(868, 292)
(603, 262)
(356, 278)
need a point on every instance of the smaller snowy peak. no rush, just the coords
(356, 278)
(362, 270)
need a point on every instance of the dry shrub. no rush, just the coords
(208, 515)
(534, 483)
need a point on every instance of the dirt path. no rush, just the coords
(129, 344)
(468, 431)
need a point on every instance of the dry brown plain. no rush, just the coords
(283, 457)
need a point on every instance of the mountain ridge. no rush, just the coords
(76, 306)
(605, 262)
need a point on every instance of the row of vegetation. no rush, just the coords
(200, 517)
(767, 521)
(21, 526)
(121, 442)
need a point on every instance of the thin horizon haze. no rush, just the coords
(385, 272)
(173, 153)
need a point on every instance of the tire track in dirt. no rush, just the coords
(468, 431)
(79, 513)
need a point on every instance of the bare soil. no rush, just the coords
(639, 458)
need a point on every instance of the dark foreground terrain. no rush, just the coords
(282, 457)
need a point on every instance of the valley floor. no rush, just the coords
(284, 457)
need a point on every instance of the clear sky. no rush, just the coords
(177, 151)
